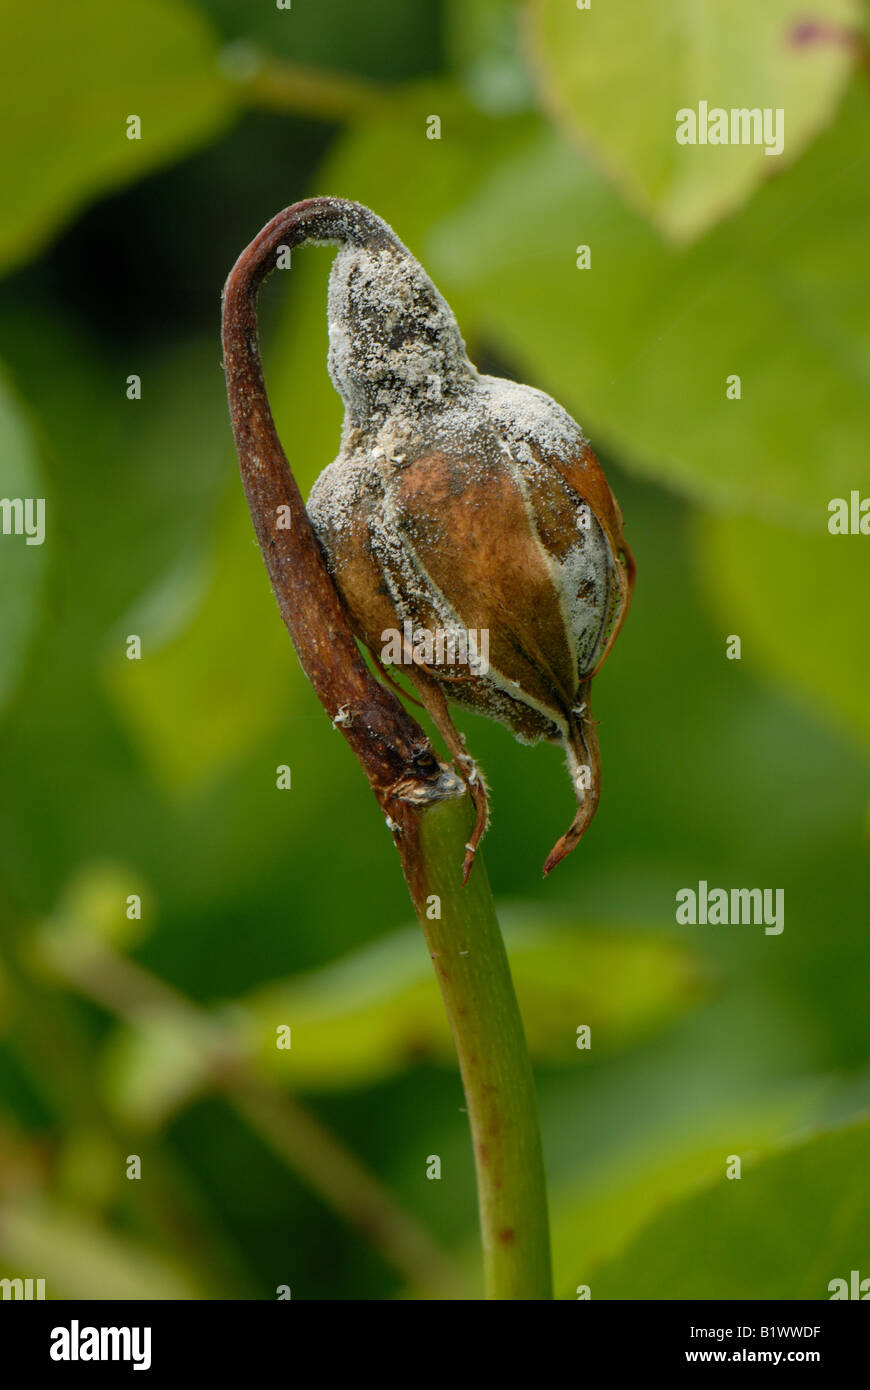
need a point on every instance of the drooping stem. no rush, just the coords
(425, 801)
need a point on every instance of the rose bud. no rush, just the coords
(466, 521)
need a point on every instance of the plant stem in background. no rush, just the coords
(284, 1124)
(277, 84)
(425, 802)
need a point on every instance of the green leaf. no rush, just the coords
(595, 1216)
(67, 85)
(381, 39)
(379, 1010)
(617, 74)
(641, 345)
(21, 563)
(208, 689)
(799, 603)
(790, 1225)
(175, 444)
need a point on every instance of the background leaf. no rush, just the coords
(385, 38)
(379, 1011)
(616, 74)
(799, 603)
(98, 64)
(640, 346)
(597, 1215)
(208, 694)
(788, 1226)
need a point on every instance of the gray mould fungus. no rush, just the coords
(463, 509)
(393, 341)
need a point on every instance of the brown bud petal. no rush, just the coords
(468, 515)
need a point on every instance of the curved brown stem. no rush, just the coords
(393, 750)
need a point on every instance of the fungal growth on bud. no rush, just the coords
(466, 518)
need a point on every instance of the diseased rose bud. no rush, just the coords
(466, 521)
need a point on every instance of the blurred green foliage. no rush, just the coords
(654, 61)
(157, 778)
(154, 60)
(374, 1011)
(781, 1209)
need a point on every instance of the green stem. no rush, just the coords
(471, 964)
(296, 89)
